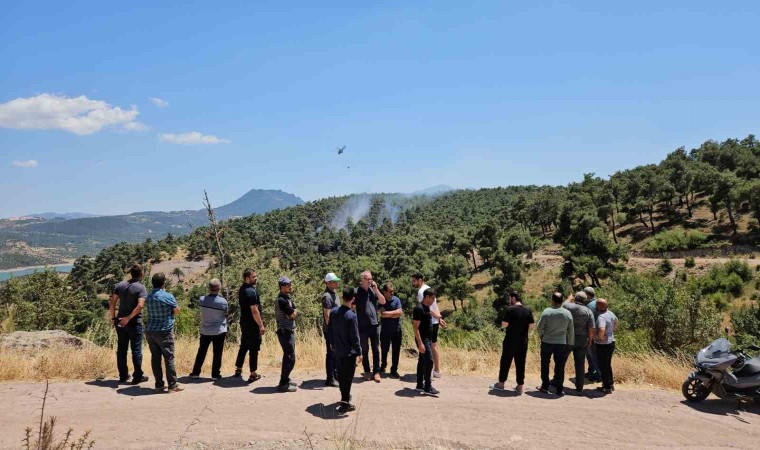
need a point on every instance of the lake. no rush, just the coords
(6, 274)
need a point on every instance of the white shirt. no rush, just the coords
(434, 306)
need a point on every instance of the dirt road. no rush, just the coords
(232, 414)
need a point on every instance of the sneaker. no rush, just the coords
(376, 378)
(394, 375)
(543, 390)
(346, 408)
(194, 375)
(331, 383)
(419, 388)
(176, 388)
(497, 386)
(216, 378)
(432, 391)
(142, 379)
(607, 391)
(254, 378)
(238, 372)
(160, 389)
(287, 388)
(367, 376)
(520, 389)
(560, 394)
(292, 383)
(436, 374)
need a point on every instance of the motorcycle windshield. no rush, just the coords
(716, 352)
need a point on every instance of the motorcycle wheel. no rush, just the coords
(694, 390)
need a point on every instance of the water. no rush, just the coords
(6, 274)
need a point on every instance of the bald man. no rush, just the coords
(606, 324)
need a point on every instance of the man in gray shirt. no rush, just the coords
(583, 325)
(606, 324)
(555, 328)
(214, 310)
(131, 297)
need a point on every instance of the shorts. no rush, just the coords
(434, 334)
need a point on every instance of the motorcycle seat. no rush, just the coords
(751, 367)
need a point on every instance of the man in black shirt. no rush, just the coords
(131, 297)
(344, 338)
(423, 329)
(285, 314)
(251, 326)
(518, 320)
(368, 297)
(329, 302)
(390, 330)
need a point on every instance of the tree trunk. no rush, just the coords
(651, 218)
(641, 218)
(688, 207)
(614, 234)
(731, 218)
(474, 261)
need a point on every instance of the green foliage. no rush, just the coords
(728, 278)
(689, 262)
(675, 240)
(746, 323)
(665, 267)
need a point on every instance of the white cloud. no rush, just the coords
(78, 115)
(161, 103)
(191, 138)
(26, 164)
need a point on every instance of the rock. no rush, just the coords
(33, 340)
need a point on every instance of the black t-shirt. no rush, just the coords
(519, 318)
(329, 301)
(248, 297)
(366, 308)
(422, 313)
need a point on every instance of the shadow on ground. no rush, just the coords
(113, 384)
(190, 380)
(267, 390)
(326, 412)
(137, 391)
(720, 407)
(314, 385)
(408, 392)
(232, 382)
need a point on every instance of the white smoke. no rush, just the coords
(356, 208)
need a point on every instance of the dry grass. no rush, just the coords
(94, 362)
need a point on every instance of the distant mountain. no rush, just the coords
(87, 235)
(439, 189)
(66, 216)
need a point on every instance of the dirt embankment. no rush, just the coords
(232, 414)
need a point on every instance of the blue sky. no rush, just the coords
(470, 94)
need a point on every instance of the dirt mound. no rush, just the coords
(32, 340)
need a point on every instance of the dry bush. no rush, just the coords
(94, 362)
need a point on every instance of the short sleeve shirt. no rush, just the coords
(607, 321)
(422, 313)
(284, 306)
(248, 296)
(214, 309)
(519, 318)
(160, 306)
(391, 325)
(420, 295)
(129, 292)
(582, 318)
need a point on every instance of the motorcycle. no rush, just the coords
(729, 374)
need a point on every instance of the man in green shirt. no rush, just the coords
(555, 328)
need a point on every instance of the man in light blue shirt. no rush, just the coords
(159, 333)
(606, 324)
(214, 310)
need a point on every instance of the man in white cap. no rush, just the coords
(329, 301)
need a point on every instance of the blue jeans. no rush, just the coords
(129, 336)
(593, 362)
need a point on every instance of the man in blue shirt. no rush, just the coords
(159, 332)
(344, 338)
(390, 330)
(214, 310)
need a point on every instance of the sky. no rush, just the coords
(115, 107)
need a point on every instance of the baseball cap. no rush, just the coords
(331, 277)
(285, 280)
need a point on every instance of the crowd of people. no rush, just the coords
(356, 324)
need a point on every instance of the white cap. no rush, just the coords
(331, 277)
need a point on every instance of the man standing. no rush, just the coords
(593, 374)
(390, 330)
(368, 297)
(285, 313)
(606, 325)
(518, 320)
(329, 302)
(214, 310)
(555, 328)
(583, 324)
(159, 332)
(344, 337)
(251, 326)
(423, 330)
(129, 330)
(418, 281)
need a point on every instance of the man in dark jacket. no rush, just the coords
(368, 300)
(285, 313)
(344, 337)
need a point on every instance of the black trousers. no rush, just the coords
(390, 339)
(425, 366)
(580, 349)
(370, 336)
(217, 342)
(129, 337)
(559, 352)
(346, 371)
(250, 344)
(604, 355)
(517, 351)
(288, 343)
(332, 365)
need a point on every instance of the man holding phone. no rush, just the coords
(368, 297)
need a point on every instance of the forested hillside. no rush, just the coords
(705, 199)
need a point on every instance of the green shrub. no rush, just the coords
(746, 323)
(728, 278)
(665, 267)
(675, 240)
(689, 262)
